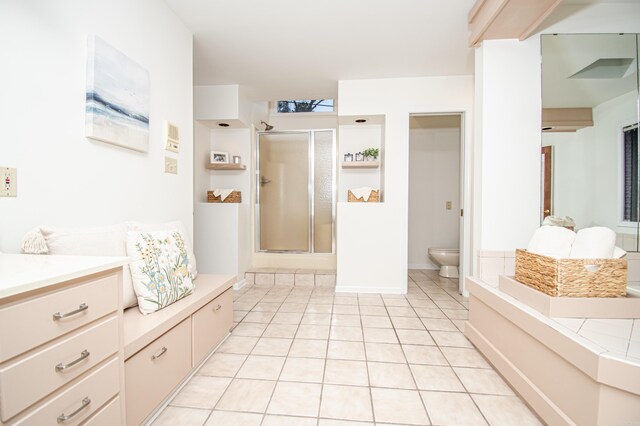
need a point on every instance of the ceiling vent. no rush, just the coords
(606, 68)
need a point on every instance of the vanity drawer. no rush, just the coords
(109, 415)
(210, 324)
(152, 373)
(83, 399)
(88, 347)
(26, 325)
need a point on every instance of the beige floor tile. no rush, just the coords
(451, 338)
(259, 317)
(303, 370)
(273, 420)
(384, 352)
(387, 375)
(460, 324)
(422, 303)
(307, 331)
(319, 308)
(222, 365)
(346, 309)
(379, 335)
(505, 411)
(316, 319)
(395, 301)
(449, 408)
(238, 345)
(353, 334)
(295, 399)
(283, 331)
(265, 279)
(297, 299)
(346, 350)
(249, 329)
(415, 337)
(239, 315)
(247, 395)
(304, 348)
(430, 313)
(373, 310)
(370, 321)
(438, 378)
(486, 381)
(305, 280)
(345, 300)
(464, 357)
(292, 307)
(332, 422)
(284, 279)
(401, 311)
(172, 416)
(460, 314)
(272, 346)
(325, 280)
(261, 367)
(370, 300)
(345, 320)
(223, 418)
(410, 323)
(346, 403)
(338, 372)
(398, 406)
(439, 324)
(287, 318)
(267, 307)
(201, 392)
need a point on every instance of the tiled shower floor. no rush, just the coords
(310, 356)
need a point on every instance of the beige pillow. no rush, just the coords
(175, 225)
(160, 268)
(103, 241)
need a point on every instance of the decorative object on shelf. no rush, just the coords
(224, 196)
(219, 157)
(371, 154)
(348, 157)
(116, 97)
(359, 156)
(363, 195)
(237, 159)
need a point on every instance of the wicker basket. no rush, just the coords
(234, 197)
(572, 277)
(373, 198)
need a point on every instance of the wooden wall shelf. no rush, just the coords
(360, 164)
(226, 166)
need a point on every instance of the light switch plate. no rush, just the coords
(9, 184)
(170, 165)
(448, 205)
(171, 137)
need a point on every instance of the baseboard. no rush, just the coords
(430, 266)
(238, 285)
(366, 290)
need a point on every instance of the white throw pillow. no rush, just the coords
(103, 241)
(175, 225)
(160, 268)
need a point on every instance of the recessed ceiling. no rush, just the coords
(287, 49)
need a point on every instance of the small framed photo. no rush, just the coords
(219, 157)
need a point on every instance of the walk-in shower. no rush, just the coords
(295, 191)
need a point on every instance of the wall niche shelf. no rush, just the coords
(360, 164)
(226, 166)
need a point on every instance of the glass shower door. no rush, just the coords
(283, 193)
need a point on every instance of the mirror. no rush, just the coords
(590, 132)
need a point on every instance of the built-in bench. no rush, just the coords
(162, 349)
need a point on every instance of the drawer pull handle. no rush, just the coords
(217, 308)
(58, 316)
(83, 355)
(64, 417)
(162, 352)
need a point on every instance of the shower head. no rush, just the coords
(267, 126)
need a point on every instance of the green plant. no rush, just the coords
(371, 152)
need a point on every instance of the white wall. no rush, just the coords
(373, 239)
(434, 179)
(65, 179)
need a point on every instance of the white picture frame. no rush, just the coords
(219, 157)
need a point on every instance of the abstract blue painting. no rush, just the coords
(117, 97)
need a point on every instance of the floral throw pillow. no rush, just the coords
(160, 268)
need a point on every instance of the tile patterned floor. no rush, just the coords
(310, 356)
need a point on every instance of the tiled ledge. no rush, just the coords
(297, 277)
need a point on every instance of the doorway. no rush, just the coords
(295, 191)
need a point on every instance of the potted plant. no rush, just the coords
(371, 153)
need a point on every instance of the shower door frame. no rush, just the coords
(310, 192)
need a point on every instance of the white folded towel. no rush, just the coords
(559, 221)
(222, 193)
(552, 241)
(364, 192)
(618, 253)
(597, 242)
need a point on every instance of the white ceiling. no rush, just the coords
(287, 49)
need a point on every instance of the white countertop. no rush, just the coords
(25, 272)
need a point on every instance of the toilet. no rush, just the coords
(448, 259)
